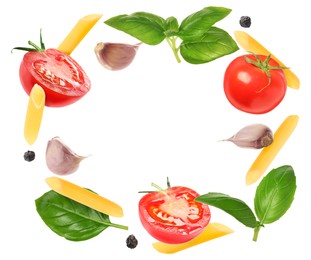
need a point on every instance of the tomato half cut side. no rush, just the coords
(62, 78)
(172, 216)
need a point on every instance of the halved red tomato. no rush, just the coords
(172, 216)
(61, 77)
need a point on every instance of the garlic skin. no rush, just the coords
(60, 159)
(115, 56)
(254, 136)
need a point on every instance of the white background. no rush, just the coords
(156, 118)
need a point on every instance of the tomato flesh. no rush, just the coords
(62, 78)
(172, 216)
(248, 89)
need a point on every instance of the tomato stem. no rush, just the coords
(35, 46)
(168, 182)
(41, 41)
(157, 187)
(264, 66)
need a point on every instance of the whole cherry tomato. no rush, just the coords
(172, 216)
(61, 77)
(254, 84)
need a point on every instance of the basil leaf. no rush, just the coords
(275, 194)
(171, 27)
(71, 219)
(235, 207)
(199, 22)
(146, 27)
(214, 44)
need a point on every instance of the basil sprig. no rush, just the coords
(274, 196)
(70, 219)
(200, 41)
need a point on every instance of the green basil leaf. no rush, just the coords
(214, 44)
(275, 194)
(199, 22)
(235, 207)
(71, 219)
(171, 27)
(146, 27)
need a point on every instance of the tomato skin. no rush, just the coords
(247, 87)
(50, 68)
(166, 215)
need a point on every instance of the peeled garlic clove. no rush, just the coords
(115, 56)
(253, 136)
(60, 159)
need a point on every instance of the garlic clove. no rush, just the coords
(115, 56)
(254, 136)
(60, 159)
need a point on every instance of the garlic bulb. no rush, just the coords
(115, 56)
(60, 159)
(252, 136)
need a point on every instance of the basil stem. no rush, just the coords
(172, 43)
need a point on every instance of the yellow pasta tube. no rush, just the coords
(212, 231)
(84, 196)
(248, 43)
(79, 31)
(34, 114)
(268, 153)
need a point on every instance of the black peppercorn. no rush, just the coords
(131, 241)
(29, 156)
(245, 21)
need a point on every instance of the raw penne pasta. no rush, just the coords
(268, 153)
(212, 231)
(84, 196)
(248, 43)
(34, 114)
(79, 31)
